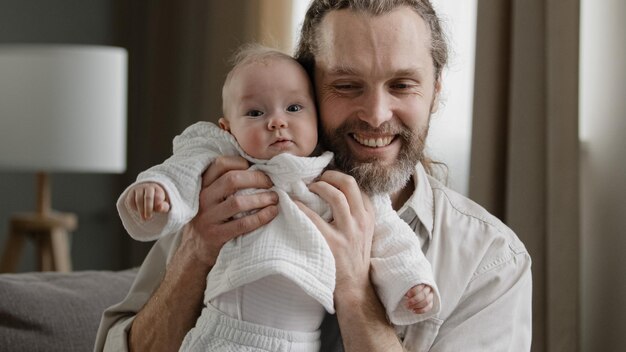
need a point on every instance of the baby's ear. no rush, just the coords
(224, 124)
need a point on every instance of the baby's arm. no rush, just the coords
(420, 299)
(146, 198)
(399, 268)
(180, 177)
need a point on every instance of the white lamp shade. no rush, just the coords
(63, 108)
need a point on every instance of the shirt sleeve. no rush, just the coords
(494, 313)
(116, 320)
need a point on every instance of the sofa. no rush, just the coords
(45, 311)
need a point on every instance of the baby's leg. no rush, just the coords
(273, 301)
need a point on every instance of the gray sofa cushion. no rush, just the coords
(57, 311)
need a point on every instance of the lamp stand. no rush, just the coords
(47, 228)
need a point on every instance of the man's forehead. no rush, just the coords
(343, 18)
(346, 69)
(347, 36)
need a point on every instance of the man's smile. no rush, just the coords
(372, 142)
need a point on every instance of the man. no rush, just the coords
(377, 71)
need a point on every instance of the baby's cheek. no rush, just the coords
(252, 144)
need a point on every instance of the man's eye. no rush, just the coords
(294, 108)
(404, 86)
(345, 86)
(254, 113)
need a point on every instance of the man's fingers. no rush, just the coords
(249, 223)
(348, 186)
(335, 199)
(242, 203)
(233, 205)
(343, 195)
(313, 216)
(235, 180)
(221, 165)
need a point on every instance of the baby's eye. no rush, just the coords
(294, 108)
(254, 113)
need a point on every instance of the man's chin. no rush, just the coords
(379, 178)
(381, 170)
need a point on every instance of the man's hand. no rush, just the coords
(361, 316)
(214, 225)
(349, 234)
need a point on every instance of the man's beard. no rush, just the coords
(372, 176)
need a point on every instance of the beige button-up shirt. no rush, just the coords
(481, 267)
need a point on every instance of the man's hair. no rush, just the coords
(308, 46)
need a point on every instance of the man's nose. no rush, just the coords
(276, 121)
(376, 107)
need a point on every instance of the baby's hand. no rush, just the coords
(420, 299)
(147, 198)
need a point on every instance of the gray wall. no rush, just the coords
(99, 242)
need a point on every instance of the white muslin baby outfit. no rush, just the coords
(290, 246)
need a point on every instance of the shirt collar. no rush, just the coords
(421, 201)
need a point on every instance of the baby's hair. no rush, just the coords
(255, 52)
(251, 53)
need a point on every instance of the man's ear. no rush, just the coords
(435, 104)
(224, 124)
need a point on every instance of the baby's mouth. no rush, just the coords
(281, 141)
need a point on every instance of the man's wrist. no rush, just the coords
(359, 301)
(193, 253)
(353, 296)
(186, 257)
(363, 321)
(173, 309)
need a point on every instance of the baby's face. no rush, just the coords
(270, 110)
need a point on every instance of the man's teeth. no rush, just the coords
(374, 142)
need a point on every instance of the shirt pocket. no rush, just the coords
(419, 337)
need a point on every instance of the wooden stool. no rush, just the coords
(51, 235)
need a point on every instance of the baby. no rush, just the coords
(271, 288)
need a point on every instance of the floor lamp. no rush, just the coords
(62, 109)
